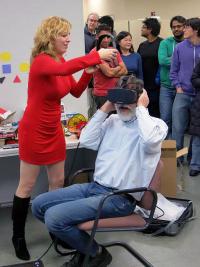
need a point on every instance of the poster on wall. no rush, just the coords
(19, 21)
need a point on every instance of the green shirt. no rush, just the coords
(165, 52)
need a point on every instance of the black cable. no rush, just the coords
(73, 160)
(163, 213)
(46, 251)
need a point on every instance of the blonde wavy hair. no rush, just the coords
(46, 34)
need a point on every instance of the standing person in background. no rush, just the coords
(185, 57)
(108, 20)
(167, 90)
(41, 137)
(148, 51)
(131, 59)
(90, 31)
(90, 37)
(194, 129)
(107, 76)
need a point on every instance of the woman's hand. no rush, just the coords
(108, 53)
(91, 69)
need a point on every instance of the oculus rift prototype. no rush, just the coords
(101, 37)
(127, 91)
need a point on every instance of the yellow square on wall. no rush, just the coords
(24, 67)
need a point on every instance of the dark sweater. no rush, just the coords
(89, 40)
(149, 54)
(195, 109)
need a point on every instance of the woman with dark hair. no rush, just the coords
(131, 59)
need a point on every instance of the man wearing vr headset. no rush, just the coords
(129, 149)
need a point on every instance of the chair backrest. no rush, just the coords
(132, 222)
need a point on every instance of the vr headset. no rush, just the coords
(112, 43)
(122, 96)
(127, 92)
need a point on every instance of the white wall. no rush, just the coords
(19, 20)
(136, 10)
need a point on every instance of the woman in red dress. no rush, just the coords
(41, 138)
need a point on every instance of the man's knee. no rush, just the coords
(53, 221)
(36, 208)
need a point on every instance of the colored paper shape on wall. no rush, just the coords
(6, 68)
(5, 56)
(24, 67)
(2, 79)
(17, 79)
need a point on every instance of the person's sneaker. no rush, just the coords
(76, 260)
(101, 260)
(194, 172)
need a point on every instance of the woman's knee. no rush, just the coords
(56, 175)
(28, 176)
(56, 183)
(25, 189)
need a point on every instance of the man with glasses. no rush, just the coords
(90, 31)
(90, 37)
(167, 90)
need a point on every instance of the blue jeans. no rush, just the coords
(195, 161)
(63, 209)
(167, 96)
(180, 118)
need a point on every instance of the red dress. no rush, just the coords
(41, 138)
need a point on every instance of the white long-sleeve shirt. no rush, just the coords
(128, 152)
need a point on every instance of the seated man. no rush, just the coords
(129, 149)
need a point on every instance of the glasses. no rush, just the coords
(93, 20)
(177, 27)
(144, 27)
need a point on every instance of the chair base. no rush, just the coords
(132, 251)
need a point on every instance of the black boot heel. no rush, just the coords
(21, 250)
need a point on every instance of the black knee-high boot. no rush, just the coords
(19, 215)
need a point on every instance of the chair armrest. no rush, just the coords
(137, 190)
(119, 192)
(126, 192)
(75, 175)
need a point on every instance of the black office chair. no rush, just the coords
(127, 223)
